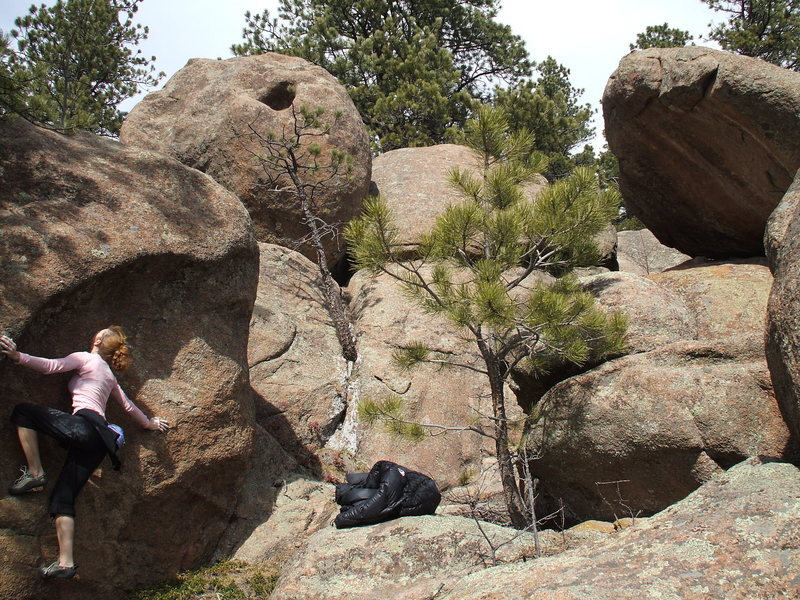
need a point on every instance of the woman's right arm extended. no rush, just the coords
(46, 366)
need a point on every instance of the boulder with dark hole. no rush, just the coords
(216, 115)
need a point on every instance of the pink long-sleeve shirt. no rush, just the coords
(91, 386)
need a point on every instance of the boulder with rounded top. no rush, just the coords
(639, 433)
(214, 115)
(708, 142)
(96, 233)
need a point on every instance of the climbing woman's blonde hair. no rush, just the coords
(114, 348)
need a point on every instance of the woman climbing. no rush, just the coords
(85, 432)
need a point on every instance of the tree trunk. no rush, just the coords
(333, 298)
(511, 492)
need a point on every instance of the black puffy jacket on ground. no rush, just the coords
(388, 491)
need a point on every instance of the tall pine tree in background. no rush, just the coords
(10, 100)
(76, 61)
(413, 69)
(550, 108)
(766, 29)
(473, 268)
(661, 36)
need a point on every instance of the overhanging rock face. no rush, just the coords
(94, 233)
(783, 311)
(708, 143)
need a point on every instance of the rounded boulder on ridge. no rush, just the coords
(216, 115)
(415, 184)
(707, 141)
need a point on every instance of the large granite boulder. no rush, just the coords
(783, 313)
(97, 233)
(708, 142)
(656, 315)
(296, 365)
(212, 115)
(414, 183)
(641, 253)
(726, 298)
(737, 537)
(656, 425)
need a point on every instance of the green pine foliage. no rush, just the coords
(550, 109)
(661, 36)
(766, 29)
(415, 70)
(391, 411)
(77, 60)
(473, 264)
(11, 101)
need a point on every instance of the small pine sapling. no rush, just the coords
(472, 267)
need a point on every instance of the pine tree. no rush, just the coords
(661, 36)
(413, 69)
(472, 268)
(78, 61)
(766, 29)
(10, 95)
(550, 108)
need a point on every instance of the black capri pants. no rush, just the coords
(85, 450)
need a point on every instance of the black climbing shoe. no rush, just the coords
(56, 571)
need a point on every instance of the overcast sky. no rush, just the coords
(589, 37)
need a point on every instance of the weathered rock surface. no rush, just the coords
(726, 298)
(203, 118)
(296, 364)
(384, 320)
(661, 422)
(280, 505)
(414, 183)
(606, 242)
(783, 314)
(656, 315)
(403, 559)
(708, 142)
(641, 253)
(95, 233)
(737, 537)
